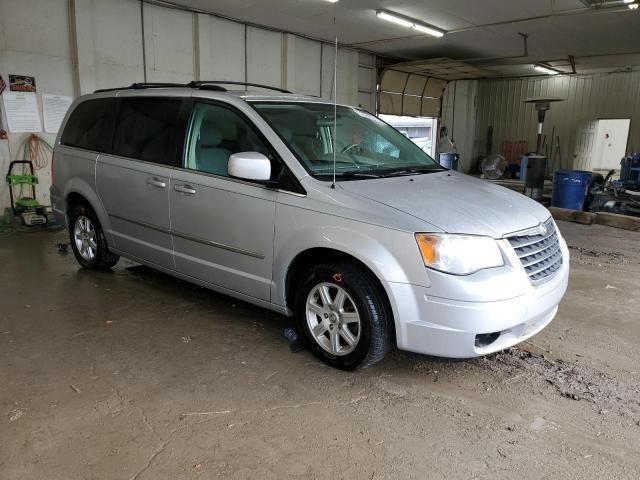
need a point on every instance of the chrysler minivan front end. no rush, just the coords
(513, 293)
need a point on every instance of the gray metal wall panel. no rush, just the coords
(169, 44)
(222, 49)
(264, 57)
(303, 65)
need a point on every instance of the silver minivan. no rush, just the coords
(320, 212)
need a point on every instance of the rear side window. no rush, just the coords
(147, 129)
(90, 125)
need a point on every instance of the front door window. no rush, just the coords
(217, 133)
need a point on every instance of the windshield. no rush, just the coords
(365, 146)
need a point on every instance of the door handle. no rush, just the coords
(184, 189)
(154, 182)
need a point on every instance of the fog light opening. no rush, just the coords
(486, 339)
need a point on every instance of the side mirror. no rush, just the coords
(250, 166)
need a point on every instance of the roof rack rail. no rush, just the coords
(205, 84)
(141, 86)
(156, 85)
(200, 84)
(136, 86)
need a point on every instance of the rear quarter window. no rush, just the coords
(90, 125)
(148, 129)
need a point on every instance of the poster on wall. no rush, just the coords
(21, 109)
(22, 83)
(54, 108)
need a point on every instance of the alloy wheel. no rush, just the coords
(84, 235)
(333, 319)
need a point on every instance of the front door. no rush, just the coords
(222, 228)
(133, 182)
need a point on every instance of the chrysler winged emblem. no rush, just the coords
(542, 228)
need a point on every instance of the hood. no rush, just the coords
(454, 202)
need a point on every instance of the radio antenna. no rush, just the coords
(335, 102)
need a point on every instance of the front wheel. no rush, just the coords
(87, 240)
(343, 315)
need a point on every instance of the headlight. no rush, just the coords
(458, 254)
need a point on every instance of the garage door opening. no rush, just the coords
(420, 130)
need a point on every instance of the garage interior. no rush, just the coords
(134, 374)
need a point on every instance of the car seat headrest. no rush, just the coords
(209, 135)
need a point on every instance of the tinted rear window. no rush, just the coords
(90, 125)
(147, 129)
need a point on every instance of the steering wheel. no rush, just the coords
(349, 147)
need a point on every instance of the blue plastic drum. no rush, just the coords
(570, 188)
(449, 160)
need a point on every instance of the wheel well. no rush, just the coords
(74, 199)
(314, 256)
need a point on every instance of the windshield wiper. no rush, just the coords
(410, 171)
(355, 174)
(359, 174)
(380, 173)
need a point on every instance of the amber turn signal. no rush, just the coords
(427, 245)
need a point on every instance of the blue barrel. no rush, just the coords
(449, 160)
(570, 188)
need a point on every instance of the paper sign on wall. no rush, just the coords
(54, 108)
(21, 109)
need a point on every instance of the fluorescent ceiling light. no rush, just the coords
(633, 6)
(629, 1)
(547, 70)
(409, 23)
(394, 19)
(336, 1)
(428, 30)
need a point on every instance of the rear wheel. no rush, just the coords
(87, 240)
(343, 315)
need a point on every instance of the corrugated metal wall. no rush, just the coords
(459, 116)
(587, 97)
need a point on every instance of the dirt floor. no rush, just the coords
(132, 374)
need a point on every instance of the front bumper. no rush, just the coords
(439, 326)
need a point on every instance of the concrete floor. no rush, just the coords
(132, 374)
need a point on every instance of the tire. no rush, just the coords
(362, 297)
(87, 240)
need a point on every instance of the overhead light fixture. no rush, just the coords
(633, 6)
(629, 1)
(545, 69)
(332, 1)
(409, 22)
(394, 19)
(428, 30)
